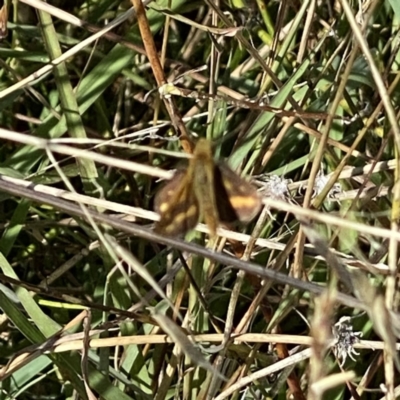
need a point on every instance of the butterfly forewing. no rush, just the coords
(244, 200)
(177, 206)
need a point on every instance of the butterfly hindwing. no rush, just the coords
(242, 201)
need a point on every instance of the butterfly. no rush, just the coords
(206, 190)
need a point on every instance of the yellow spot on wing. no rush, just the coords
(164, 207)
(243, 201)
(192, 210)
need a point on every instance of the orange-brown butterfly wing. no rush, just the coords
(177, 206)
(239, 199)
(3, 21)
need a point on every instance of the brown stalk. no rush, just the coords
(158, 72)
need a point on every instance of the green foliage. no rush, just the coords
(288, 89)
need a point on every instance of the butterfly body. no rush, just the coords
(203, 186)
(206, 191)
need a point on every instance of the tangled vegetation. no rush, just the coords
(100, 101)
